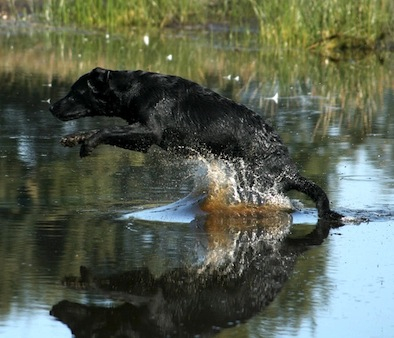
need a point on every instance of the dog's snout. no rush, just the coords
(54, 108)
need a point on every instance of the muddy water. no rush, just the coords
(180, 272)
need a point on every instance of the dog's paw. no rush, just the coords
(71, 140)
(77, 138)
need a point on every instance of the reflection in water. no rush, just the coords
(54, 208)
(243, 270)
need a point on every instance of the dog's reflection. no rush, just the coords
(247, 262)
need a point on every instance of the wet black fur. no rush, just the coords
(180, 115)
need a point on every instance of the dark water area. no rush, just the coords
(177, 272)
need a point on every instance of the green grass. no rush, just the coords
(303, 22)
(285, 23)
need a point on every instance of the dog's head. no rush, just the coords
(89, 96)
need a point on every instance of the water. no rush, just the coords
(240, 272)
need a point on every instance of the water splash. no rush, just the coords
(221, 187)
(231, 184)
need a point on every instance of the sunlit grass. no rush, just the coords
(287, 23)
(301, 22)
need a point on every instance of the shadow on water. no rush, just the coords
(243, 269)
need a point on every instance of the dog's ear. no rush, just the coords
(98, 80)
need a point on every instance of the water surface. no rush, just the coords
(267, 275)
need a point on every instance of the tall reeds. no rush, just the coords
(290, 23)
(302, 22)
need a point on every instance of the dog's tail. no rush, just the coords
(317, 194)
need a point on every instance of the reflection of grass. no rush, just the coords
(353, 89)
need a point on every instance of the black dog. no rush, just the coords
(180, 115)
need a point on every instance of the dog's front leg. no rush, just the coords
(133, 137)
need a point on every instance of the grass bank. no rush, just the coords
(288, 23)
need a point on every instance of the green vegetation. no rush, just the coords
(284, 23)
(111, 14)
(287, 23)
(301, 22)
